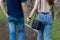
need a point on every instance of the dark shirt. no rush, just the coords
(14, 8)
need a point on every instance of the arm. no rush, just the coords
(3, 8)
(25, 8)
(32, 12)
(34, 9)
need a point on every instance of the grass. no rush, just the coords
(2, 16)
(55, 34)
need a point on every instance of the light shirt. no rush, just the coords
(43, 6)
(0, 0)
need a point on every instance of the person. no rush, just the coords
(45, 15)
(15, 16)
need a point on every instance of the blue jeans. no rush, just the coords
(46, 19)
(12, 22)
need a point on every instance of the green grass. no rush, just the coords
(56, 24)
(55, 34)
(2, 16)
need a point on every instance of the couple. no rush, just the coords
(15, 16)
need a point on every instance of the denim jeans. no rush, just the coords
(46, 19)
(12, 22)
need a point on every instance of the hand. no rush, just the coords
(7, 16)
(28, 20)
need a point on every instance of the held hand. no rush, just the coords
(28, 20)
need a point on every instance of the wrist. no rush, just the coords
(29, 17)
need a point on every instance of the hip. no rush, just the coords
(45, 17)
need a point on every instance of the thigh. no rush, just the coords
(47, 30)
(39, 37)
(12, 26)
(21, 24)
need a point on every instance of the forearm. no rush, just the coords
(3, 8)
(32, 12)
(25, 8)
(34, 9)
